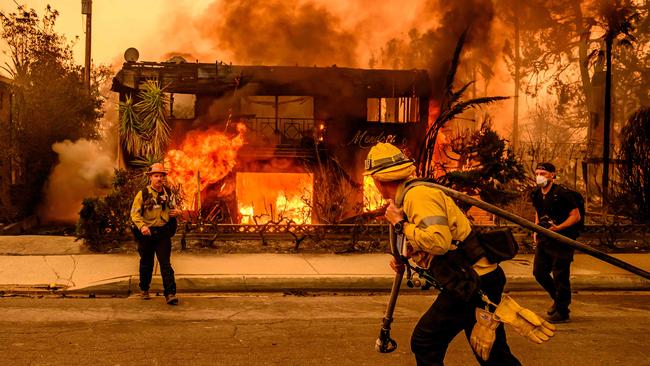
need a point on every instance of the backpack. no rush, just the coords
(496, 245)
(580, 201)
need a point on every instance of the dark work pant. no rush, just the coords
(558, 286)
(160, 246)
(449, 315)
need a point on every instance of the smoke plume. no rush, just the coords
(278, 32)
(84, 170)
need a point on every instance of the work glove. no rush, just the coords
(483, 333)
(525, 322)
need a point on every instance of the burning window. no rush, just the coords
(372, 199)
(393, 110)
(264, 197)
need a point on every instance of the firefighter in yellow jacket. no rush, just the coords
(153, 214)
(433, 225)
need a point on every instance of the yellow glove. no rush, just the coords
(483, 333)
(525, 322)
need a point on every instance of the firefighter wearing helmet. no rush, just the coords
(434, 228)
(153, 216)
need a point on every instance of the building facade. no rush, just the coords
(315, 121)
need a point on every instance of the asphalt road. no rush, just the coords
(277, 329)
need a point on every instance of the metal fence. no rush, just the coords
(280, 131)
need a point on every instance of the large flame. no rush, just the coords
(264, 197)
(211, 154)
(372, 199)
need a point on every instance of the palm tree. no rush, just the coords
(144, 130)
(618, 19)
(451, 106)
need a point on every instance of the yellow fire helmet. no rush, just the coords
(386, 158)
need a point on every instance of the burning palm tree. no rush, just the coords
(451, 105)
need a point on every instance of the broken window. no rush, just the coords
(279, 119)
(182, 106)
(393, 110)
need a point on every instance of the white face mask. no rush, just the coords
(541, 180)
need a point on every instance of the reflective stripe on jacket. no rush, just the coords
(434, 221)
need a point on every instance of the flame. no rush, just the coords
(434, 112)
(264, 197)
(210, 154)
(372, 199)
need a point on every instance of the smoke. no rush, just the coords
(433, 48)
(84, 170)
(278, 32)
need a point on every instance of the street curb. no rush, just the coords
(279, 283)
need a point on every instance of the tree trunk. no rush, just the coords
(515, 117)
(608, 115)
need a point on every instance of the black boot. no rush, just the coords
(560, 316)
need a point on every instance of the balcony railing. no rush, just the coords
(279, 131)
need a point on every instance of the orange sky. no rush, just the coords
(117, 24)
(147, 25)
(157, 27)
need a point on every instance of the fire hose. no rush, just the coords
(385, 344)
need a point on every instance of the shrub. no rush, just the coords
(104, 220)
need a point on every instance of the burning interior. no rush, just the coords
(277, 144)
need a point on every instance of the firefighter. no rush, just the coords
(433, 226)
(154, 214)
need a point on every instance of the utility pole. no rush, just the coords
(87, 9)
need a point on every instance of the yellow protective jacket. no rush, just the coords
(434, 221)
(154, 215)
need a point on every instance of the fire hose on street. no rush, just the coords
(385, 344)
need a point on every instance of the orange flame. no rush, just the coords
(211, 154)
(264, 197)
(372, 199)
(434, 112)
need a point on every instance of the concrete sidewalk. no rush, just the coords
(59, 264)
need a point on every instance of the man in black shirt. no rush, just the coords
(556, 210)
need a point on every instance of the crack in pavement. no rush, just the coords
(58, 276)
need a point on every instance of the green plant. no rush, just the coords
(103, 220)
(633, 196)
(50, 100)
(483, 165)
(144, 130)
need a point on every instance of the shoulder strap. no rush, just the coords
(145, 197)
(399, 200)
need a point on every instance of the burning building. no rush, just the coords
(253, 144)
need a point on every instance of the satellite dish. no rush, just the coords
(131, 55)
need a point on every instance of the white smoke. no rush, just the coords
(84, 170)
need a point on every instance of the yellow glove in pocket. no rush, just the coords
(483, 333)
(525, 322)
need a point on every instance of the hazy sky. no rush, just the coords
(156, 27)
(249, 32)
(116, 24)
